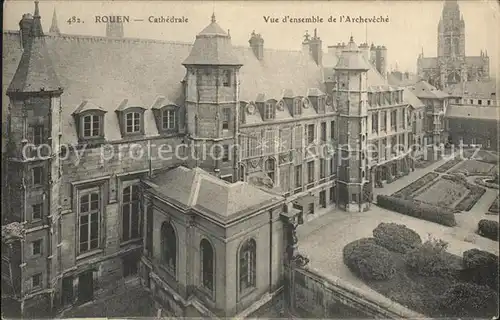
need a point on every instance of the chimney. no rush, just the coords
(365, 48)
(257, 45)
(305, 43)
(25, 28)
(316, 48)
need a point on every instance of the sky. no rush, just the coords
(411, 26)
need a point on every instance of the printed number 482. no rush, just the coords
(74, 19)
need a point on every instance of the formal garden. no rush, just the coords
(422, 275)
(472, 167)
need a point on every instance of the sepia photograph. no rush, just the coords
(250, 159)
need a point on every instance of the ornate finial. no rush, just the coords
(213, 17)
(306, 36)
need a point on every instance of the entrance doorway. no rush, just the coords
(67, 291)
(322, 199)
(85, 287)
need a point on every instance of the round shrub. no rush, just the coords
(396, 237)
(469, 300)
(488, 229)
(481, 267)
(368, 260)
(431, 259)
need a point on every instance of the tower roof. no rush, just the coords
(212, 47)
(352, 58)
(35, 72)
(54, 28)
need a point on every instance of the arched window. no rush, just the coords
(270, 165)
(207, 264)
(169, 246)
(130, 213)
(247, 265)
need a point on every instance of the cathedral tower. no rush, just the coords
(451, 31)
(354, 188)
(212, 102)
(33, 165)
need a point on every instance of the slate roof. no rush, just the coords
(473, 112)
(95, 69)
(423, 89)
(197, 189)
(352, 58)
(474, 89)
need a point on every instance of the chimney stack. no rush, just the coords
(257, 45)
(316, 48)
(25, 28)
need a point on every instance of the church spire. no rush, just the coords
(54, 28)
(36, 29)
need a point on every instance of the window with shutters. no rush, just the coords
(310, 133)
(298, 176)
(285, 142)
(270, 142)
(298, 132)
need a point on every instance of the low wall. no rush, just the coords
(314, 295)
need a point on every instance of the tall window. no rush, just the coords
(298, 133)
(393, 119)
(37, 210)
(310, 172)
(247, 257)
(225, 153)
(310, 133)
(207, 265)
(226, 116)
(130, 213)
(37, 135)
(37, 175)
(89, 221)
(133, 122)
(403, 118)
(297, 107)
(298, 176)
(323, 131)
(91, 126)
(383, 123)
(375, 122)
(332, 130)
(270, 168)
(322, 168)
(226, 78)
(269, 111)
(169, 246)
(168, 119)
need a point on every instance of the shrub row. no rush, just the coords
(368, 260)
(488, 229)
(418, 209)
(484, 182)
(448, 165)
(396, 237)
(415, 185)
(469, 300)
(475, 192)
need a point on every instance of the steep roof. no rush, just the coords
(474, 89)
(35, 72)
(94, 69)
(197, 189)
(473, 112)
(423, 89)
(352, 58)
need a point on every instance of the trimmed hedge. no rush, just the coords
(469, 300)
(488, 229)
(368, 260)
(494, 206)
(418, 209)
(415, 185)
(481, 268)
(396, 237)
(431, 259)
(448, 165)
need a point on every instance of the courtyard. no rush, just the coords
(323, 239)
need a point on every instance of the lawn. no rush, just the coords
(443, 193)
(475, 168)
(409, 190)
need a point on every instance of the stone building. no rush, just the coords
(105, 160)
(451, 65)
(473, 125)
(474, 93)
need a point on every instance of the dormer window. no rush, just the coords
(89, 120)
(131, 118)
(226, 117)
(91, 126)
(269, 110)
(133, 122)
(168, 118)
(226, 78)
